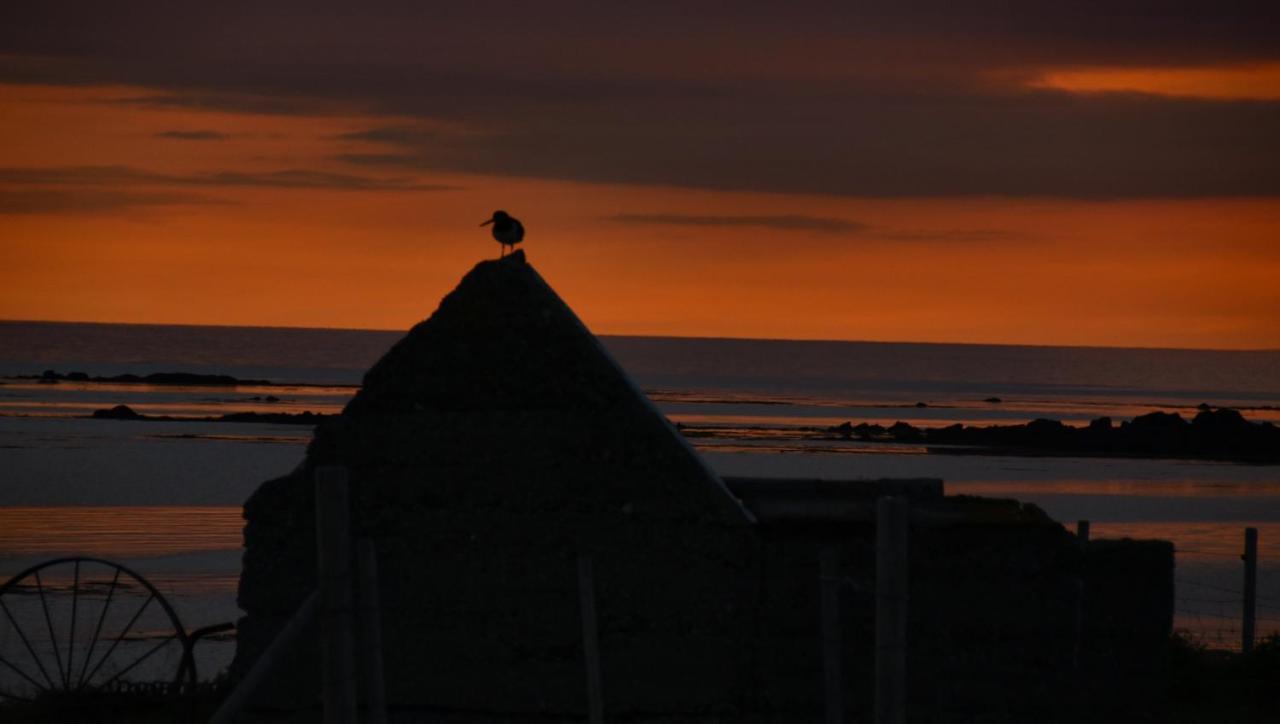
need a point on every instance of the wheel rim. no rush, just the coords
(86, 624)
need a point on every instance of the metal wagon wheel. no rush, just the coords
(82, 624)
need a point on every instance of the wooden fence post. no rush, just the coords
(333, 555)
(1082, 540)
(590, 639)
(369, 615)
(893, 517)
(1077, 643)
(833, 678)
(1250, 559)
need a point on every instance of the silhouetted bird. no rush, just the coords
(506, 229)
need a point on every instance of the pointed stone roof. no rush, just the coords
(503, 397)
(490, 446)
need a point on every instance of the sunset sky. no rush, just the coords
(1101, 173)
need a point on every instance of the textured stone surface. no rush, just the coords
(488, 449)
(497, 442)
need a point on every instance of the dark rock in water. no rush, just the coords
(157, 378)
(950, 435)
(1159, 421)
(1221, 421)
(993, 400)
(274, 418)
(1155, 433)
(903, 432)
(1098, 436)
(187, 378)
(921, 404)
(123, 412)
(1217, 434)
(844, 429)
(1226, 431)
(866, 432)
(271, 398)
(1042, 431)
(119, 412)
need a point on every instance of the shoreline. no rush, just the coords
(1221, 435)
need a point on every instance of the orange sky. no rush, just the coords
(1250, 81)
(172, 241)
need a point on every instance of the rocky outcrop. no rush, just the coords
(1221, 434)
(119, 412)
(191, 379)
(124, 412)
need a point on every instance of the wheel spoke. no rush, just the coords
(98, 630)
(71, 639)
(135, 644)
(27, 643)
(23, 674)
(119, 638)
(53, 638)
(140, 659)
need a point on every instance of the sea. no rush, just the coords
(162, 500)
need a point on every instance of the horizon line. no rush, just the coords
(814, 340)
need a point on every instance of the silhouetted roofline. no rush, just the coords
(730, 501)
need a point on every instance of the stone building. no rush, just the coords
(498, 441)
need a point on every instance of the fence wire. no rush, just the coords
(1212, 614)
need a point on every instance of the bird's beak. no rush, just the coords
(490, 221)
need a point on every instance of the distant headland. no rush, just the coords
(155, 378)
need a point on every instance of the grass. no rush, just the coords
(1197, 685)
(1207, 685)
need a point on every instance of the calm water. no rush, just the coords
(164, 497)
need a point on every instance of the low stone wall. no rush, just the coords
(481, 614)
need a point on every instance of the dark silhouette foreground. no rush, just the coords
(498, 443)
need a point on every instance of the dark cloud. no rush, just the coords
(289, 178)
(78, 175)
(303, 179)
(784, 222)
(1019, 145)
(958, 236)
(391, 135)
(879, 99)
(422, 161)
(198, 99)
(603, 36)
(91, 200)
(201, 135)
(825, 224)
